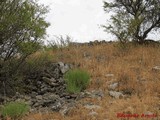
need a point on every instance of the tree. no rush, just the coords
(22, 29)
(20, 22)
(133, 19)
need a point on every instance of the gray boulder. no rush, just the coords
(63, 67)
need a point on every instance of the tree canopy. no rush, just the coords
(133, 19)
(22, 28)
(22, 23)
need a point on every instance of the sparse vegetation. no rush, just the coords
(132, 67)
(14, 110)
(59, 42)
(76, 80)
(37, 62)
(95, 66)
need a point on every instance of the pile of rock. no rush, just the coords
(48, 80)
(46, 88)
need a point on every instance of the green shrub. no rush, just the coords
(14, 110)
(76, 80)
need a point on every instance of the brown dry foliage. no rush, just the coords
(132, 67)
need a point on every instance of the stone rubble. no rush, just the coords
(46, 89)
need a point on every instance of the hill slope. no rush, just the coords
(136, 71)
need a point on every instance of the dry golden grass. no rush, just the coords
(132, 67)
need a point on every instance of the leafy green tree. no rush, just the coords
(133, 19)
(22, 30)
(20, 22)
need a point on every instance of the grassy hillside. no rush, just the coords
(131, 66)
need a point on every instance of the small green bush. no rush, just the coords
(14, 110)
(76, 80)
